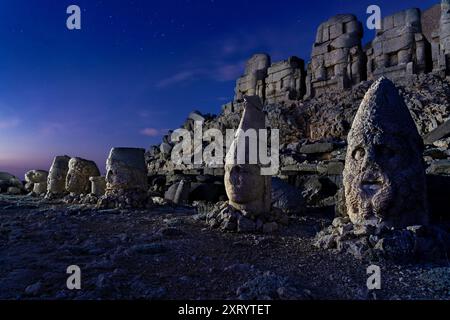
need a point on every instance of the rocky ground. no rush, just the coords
(169, 253)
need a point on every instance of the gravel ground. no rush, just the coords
(169, 253)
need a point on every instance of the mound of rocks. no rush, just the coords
(375, 242)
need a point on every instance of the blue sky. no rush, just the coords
(136, 68)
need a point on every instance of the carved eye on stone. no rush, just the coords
(358, 154)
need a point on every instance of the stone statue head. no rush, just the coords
(384, 176)
(125, 169)
(247, 189)
(77, 179)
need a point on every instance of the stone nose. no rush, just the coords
(370, 162)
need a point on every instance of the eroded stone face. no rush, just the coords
(80, 170)
(246, 188)
(125, 169)
(384, 177)
(56, 182)
(98, 185)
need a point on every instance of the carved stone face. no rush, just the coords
(244, 183)
(57, 174)
(125, 169)
(384, 176)
(77, 180)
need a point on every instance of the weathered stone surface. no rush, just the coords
(126, 180)
(56, 182)
(287, 198)
(125, 169)
(285, 81)
(98, 185)
(384, 177)
(440, 167)
(40, 188)
(337, 59)
(35, 176)
(178, 193)
(253, 80)
(7, 181)
(399, 48)
(317, 148)
(443, 131)
(77, 179)
(246, 188)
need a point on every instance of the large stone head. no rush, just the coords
(247, 189)
(56, 181)
(125, 169)
(384, 177)
(80, 170)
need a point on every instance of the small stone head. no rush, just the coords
(384, 177)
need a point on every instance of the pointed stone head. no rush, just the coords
(384, 176)
(247, 189)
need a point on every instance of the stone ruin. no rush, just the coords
(399, 48)
(337, 58)
(385, 211)
(285, 81)
(77, 179)
(56, 182)
(441, 42)
(36, 181)
(253, 80)
(126, 179)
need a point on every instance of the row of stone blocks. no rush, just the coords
(338, 60)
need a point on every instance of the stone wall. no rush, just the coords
(410, 42)
(337, 59)
(399, 48)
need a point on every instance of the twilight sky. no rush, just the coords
(136, 68)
